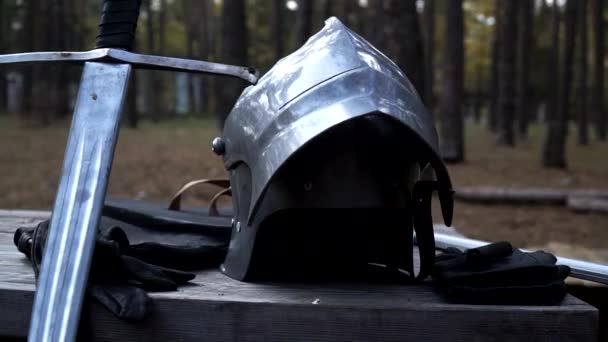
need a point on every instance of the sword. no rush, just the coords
(88, 160)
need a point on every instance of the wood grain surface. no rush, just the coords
(217, 308)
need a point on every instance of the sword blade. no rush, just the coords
(79, 201)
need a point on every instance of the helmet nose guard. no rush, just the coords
(337, 79)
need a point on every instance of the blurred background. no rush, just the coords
(516, 86)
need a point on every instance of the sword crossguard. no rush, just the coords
(136, 60)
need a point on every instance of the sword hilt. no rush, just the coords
(118, 24)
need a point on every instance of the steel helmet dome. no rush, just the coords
(335, 124)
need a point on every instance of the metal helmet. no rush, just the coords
(330, 130)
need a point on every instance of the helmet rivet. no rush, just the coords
(217, 146)
(238, 226)
(232, 222)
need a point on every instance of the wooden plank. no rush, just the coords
(24, 214)
(9, 226)
(11, 220)
(491, 195)
(588, 204)
(546, 196)
(222, 321)
(217, 308)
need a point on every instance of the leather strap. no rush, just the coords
(423, 225)
(223, 183)
(213, 203)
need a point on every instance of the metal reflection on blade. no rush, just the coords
(77, 209)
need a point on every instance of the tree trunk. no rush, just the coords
(162, 23)
(191, 105)
(399, 37)
(234, 51)
(196, 21)
(506, 71)
(41, 77)
(304, 21)
(328, 9)
(583, 134)
(376, 35)
(76, 33)
(553, 66)
(28, 73)
(147, 77)
(494, 89)
(494, 86)
(131, 104)
(429, 17)
(3, 49)
(350, 14)
(347, 11)
(478, 96)
(62, 77)
(54, 40)
(523, 106)
(597, 91)
(277, 28)
(410, 45)
(79, 14)
(208, 50)
(452, 135)
(555, 144)
(160, 78)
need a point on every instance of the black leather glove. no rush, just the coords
(118, 279)
(499, 274)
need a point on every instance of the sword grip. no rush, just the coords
(118, 24)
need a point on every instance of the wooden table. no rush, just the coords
(217, 308)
